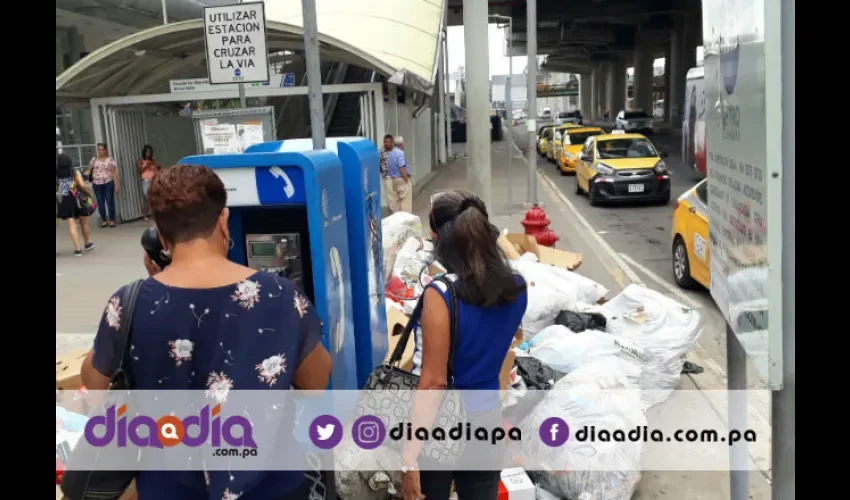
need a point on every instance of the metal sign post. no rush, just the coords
(532, 101)
(314, 73)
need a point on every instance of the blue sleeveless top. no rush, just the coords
(250, 335)
(484, 337)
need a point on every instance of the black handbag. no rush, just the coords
(388, 393)
(105, 484)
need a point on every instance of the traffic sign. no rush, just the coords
(235, 40)
(288, 80)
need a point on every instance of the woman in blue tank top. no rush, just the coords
(491, 302)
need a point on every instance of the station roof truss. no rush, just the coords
(144, 62)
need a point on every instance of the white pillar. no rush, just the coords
(668, 82)
(585, 83)
(475, 22)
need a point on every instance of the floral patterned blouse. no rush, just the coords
(248, 336)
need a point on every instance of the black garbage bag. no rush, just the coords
(539, 377)
(579, 322)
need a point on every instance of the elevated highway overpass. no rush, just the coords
(599, 39)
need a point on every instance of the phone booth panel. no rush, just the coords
(287, 216)
(362, 184)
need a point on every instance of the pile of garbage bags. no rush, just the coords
(589, 360)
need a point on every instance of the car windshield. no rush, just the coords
(626, 148)
(638, 113)
(581, 137)
(567, 114)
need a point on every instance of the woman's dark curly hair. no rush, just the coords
(186, 202)
(145, 149)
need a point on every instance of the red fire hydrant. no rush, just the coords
(536, 224)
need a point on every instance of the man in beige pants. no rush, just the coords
(401, 190)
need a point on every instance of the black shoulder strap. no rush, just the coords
(122, 378)
(417, 313)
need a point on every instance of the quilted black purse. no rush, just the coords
(105, 484)
(388, 393)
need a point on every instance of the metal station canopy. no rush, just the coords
(350, 32)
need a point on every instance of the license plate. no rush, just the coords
(635, 188)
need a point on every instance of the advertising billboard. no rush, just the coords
(693, 126)
(741, 191)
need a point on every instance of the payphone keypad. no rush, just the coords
(276, 253)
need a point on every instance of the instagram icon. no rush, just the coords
(368, 432)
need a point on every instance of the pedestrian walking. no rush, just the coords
(383, 156)
(490, 303)
(103, 172)
(148, 167)
(401, 194)
(68, 181)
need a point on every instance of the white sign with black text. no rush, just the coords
(235, 37)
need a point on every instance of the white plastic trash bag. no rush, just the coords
(602, 470)
(550, 291)
(662, 328)
(395, 230)
(563, 350)
(411, 260)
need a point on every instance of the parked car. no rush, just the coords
(634, 120)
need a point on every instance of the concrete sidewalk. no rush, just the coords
(598, 266)
(508, 216)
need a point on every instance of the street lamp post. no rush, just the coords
(508, 102)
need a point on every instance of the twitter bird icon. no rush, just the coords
(325, 432)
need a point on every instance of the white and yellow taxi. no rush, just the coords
(622, 168)
(554, 144)
(569, 144)
(543, 134)
(691, 262)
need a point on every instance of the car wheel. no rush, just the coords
(591, 197)
(665, 201)
(681, 265)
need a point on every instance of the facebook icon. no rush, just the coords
(554, 431)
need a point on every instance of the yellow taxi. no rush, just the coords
(568, 146)
(622, 168)
(542, 138)
(690, 238)
(554, 144)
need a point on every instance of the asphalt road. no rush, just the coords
(640, 235)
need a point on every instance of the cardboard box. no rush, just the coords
(516, 485)
(523, 243)
(396, 321)
(508, 363)
(68, 368)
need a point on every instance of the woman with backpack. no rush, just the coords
(69, 180)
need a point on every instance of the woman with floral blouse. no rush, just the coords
(207, 324)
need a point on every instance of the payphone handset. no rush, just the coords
(288, 188)
(276, 253)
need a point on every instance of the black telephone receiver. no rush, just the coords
(153, 247)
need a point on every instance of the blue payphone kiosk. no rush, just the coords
(362, 184)
(287, 216)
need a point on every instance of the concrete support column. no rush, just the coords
(616, 88)
(602, 83)
(678, 74)
(643, 59)
(667, 83)
(585, 83)
(594, 94)
(477, 69)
